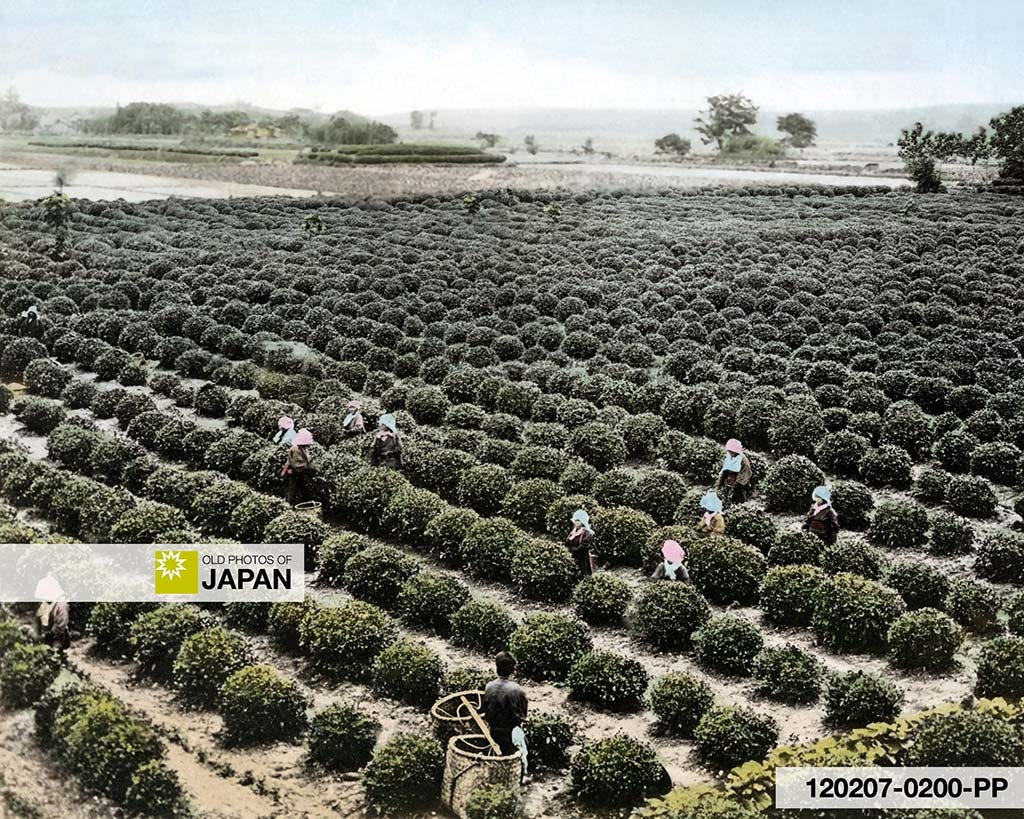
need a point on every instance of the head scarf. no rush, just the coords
(711, 502)
(582, 519)
(732, 445)
(353, 410)
(388, 422)
(49, 588)
(672, 552)
(284, 422)
(821, 497)
(303, 438)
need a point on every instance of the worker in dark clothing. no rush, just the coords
(504, 707)
(54, 614)
(822, 519)
(387, 444)
(580, 540)
(353, 423)
(298, 468)
(28, 321)
(734, 478)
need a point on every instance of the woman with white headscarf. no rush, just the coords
(713, 521)
(387, 444)
(580, 540)
(822, 519)
(352, 424)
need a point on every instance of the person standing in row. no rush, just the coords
(580, 540)
(822, 519)
(299, 468)
(734, 477)
(285, 430)
(386, 449)
(353, 423)
(505, 706)
(713, 521)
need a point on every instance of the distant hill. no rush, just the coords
(555, 125)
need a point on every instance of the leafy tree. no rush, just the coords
(487, 140)
(57, 214)
(531, 144)
(416, 120)
(919, 152)
(430, 124)
(673, 144)
(800, 131)
(726, 115)
(588, 146)
(154, 118)
(14, 114)
(339, 131)
(1007, 141)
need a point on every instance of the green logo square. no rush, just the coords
(176, 571)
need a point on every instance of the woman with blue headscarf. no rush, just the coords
(579, 541)
(713, 522)
(822, 519)
(387, 444)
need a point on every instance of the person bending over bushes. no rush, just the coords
(734, 478)
(713, 522)
(822, 519)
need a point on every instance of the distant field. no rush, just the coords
(407, 153)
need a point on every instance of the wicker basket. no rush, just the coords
(312, 508)
(469, 765)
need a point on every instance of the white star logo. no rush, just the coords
(170, 564)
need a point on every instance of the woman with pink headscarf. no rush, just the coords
(298, 468)
(734, 478)
(671, 567)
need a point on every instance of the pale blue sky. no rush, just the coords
(385, 57)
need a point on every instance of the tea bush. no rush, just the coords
(204, 662)
(621, 534)
(345, 640)
(549, 735)
(728, 644)
(679, 700)
(547, 645)
(543, 570)
(788, 485)
(493, 802)
(857, 698)
(886, 466)
(1000, 557)
(410, 672)
(726, 570)
(950, 534)
(971, 496)
(666, 615)
(972, 605)
(484, 487)
(854, 614)
(489, 546)
(965, 738)
(1001, 668)
(727, 736)
(608, 680)
(405, 773)
(378, 573)
(853, 557)
(26, 671)
(527, 502)
(617, 771)
(752, 526)
(258, 705)
(601, 599)
(334, 554)
(899, 524)
(787, 593)
(926, 638)
(788, 674)
(156, 636)
(428, 600)
(795, 548)
(483, 625)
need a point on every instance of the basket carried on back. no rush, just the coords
(474, 758)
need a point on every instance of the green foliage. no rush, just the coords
(205, 661)
(608, 680)
(483, 625)
(679, 700)
(484, 487)
(965, 738)
(404, 774)
(156, 636)
(725, 570)
(334, 554)
(726, 115)
(971, 496)
(788, 485)
(751, 526)
(258, 705)
(527, 502)
(410, 672)
(950, 534)
(858, 698)
(343, 641)
(666, 615)
(788, 674)
(493, 802)
(621, 534)
(727, 736)
(599, 445)
(673, 144)
(1001, 668)
(1000, 557)
(154, 790)
(854, 614)
(795, 548)
(728, 644)
(549, 735)
(602, 599)
(428, 600)
(26, 671)
(926, 638)
(547, 645)
(544, 570)
(489, 547)
(800, 131)
(920, 585)
(617, 771)
(787, 594)
(972, 605)
(378, 573)
(109, 625)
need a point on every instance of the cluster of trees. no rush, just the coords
(422, 119)
(160, 119)
(727, 122)
(15, 115)
(922, 151)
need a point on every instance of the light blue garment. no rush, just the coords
(733, 463)
(285, 436)
(671, 569)
(823, 493)
(711, 502)
(581, 517)
(388, 420)
(519, 740)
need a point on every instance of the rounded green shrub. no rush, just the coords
(725, 570)
(547, 645)
(665, 615)
(728, 644)
(155, 790)
(621, 534)
(853, 614)
(429, 599)
(26, 671)
(616, 771)
(493, 802)
(483, 625)
(899, 525)
(205, 661)
(527, 502)
(679, 701)
(284, 622)
(601, 599)
(1000, 557)
(971, 496)
(926, 638)
(1014, 619)
(788, 674)
(727, 736)
(489, 547)
(251, 617)
(484, 487)
(795, 548)
(854, 503)
(156, 636)
(334, 553)
(853, 557)
(887, 465)
(1001, 668)
(409, 512)
(343, 641)
(258, 705)
(972, 605)
(965, 738)
(608, 680)
(549, 735)
(378, 573)
(787, 594)
(752, 526)
(597, 444)
(920, 585)
(446, 532)
(410, 672)
(950, 534)
(855, 699)
(544, 570)
(109, 625)
(789, 483)
(404, 774)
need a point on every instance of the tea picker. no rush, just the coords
(822, 519)
(580, 540)
(386, 449)
(713, 521)
(734, 477)
(671, 566)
